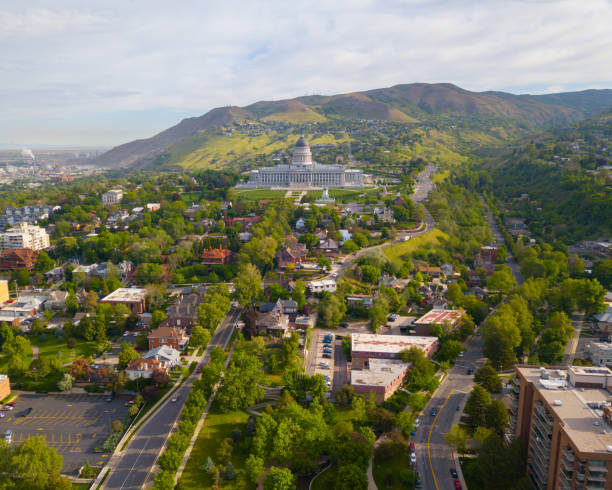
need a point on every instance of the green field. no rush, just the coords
(52, 347)
(216, 427)
(387, 472)
(433, 236)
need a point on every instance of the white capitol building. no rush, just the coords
(304, 172)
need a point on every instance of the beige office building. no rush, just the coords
(564, 417)
(24, 235)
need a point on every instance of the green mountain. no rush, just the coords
(408, 103)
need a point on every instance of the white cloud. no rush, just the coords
(77, 68)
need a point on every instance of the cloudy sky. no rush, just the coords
(107, 72)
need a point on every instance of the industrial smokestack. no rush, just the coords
(26, 152)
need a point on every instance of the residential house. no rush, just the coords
(144, 368)
(291, 254)
(485, 257)
(355, 300)
(184, 312)
(173, 337)
(428, 270)
(328, 245)
(216, 256)
(55, 275)
(328, 285)
(345, 236)
(603, 322)
(15, 259)
(56, 300)
(286, 306)
(272, 323)
(170, 356)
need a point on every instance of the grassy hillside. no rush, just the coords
(209, 149)
(399, 250)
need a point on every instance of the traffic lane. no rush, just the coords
(136, 464)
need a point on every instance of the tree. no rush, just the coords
(248, 285)
(157, 317)
(65, 384)
(476, 406)
(214, 306)
(299, 294)
(331, 310)
(72, 305)
(351, 477)
(496, 417)
(421, 375)
(487, 377)
(200, 337)
(17, 350)
(276, 291)
(457, 438)
(254, 466)
(502, 279)
(117, 381)
(147, 273)
(450, 350)
(44, 263)
(378, 314)
(279, 479)
(127, 354)
(160, 377)
(602, 271)
(91, 301)
(350, 247)
(33, 465)
(240, 386)
(370, 273)
(501, 336)
(454, 294)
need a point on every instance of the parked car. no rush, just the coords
(175, 398)
(199, 369)
(460, 354)
(130, 402)
(413, 458)
(328, 350)
(470, 371)
(458, 408)
(418, 483)
(453, 472)
(110, 397)
(27, 412)
(457, 485)
(327, 341)
(327, 355)
(433, 411)
(412, 448)
(345, 324)
(8, 436)
(417, 422)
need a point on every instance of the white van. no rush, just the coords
(9, 436)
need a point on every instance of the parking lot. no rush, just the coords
(327, 353)
(72, 424)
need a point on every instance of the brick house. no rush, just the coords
(294, 253)
(216, 256)
(172, 337)
(18, 258)
(184, 313)
(144, 368)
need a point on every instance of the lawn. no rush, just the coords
(396, 251)
(468, 467)
(325, 480)
(52, 347)
(387, 471)
(217, 427)
(258, 194)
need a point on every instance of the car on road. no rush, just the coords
(413, 432)
(334, 274)
(110, 397)
(413, 458)
(460, 354)
(433, 411)
(345, 324)
(417, 422)
(327, 355)
(27, 412)
(130, 402)
(125, 334)
(457, 485)
(453, 472)
(175, 398)
(458, 408)
(412, 448)
(199, 369)
(470, 371)
(8, 437)
(418, 483)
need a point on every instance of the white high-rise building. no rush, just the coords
(304, 172)
(24, 235)
(111, 197)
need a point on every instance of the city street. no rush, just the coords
(434, 456)
(134, 466)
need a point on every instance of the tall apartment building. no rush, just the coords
(111, 197)
(564, 417)
(24, 236)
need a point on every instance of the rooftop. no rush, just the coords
(393, 344)
(439, 317)
(574, 407)
(126, 294)
(381, 372)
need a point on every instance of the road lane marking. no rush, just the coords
(429, 438)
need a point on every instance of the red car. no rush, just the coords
(457, 485)
(199, 368)
(412, 447)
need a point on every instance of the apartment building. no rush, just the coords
(114, 196)
(366, 346)
(133, 298)
(563, 416)
(23, 236)
(600, 353)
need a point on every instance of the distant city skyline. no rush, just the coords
(89, 74)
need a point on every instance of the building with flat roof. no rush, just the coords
(563, 415)
(382, 377)
(5, 386)
(24, 235)
(600, 353)
(133, 298)
(437, 317)
(4, 291)
(370, 346)
(328, 285)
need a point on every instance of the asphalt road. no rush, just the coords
(434, 456)
(134, 468)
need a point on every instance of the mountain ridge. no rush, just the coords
(406, 103)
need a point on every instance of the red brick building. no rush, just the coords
(216, 256)
(18, 258)
(172, 337)
(291, 254)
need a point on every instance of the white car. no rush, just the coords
(417, 422)
(412, 458)
(175, 398)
